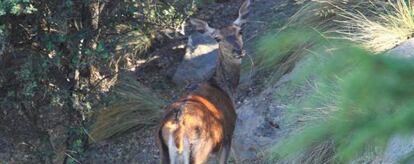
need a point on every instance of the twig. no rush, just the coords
(72, 158)
(89, 135)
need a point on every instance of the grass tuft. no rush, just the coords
(320, 14)
(384, 29)
(131, 105)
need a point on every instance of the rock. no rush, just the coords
(245, 140)
(404, 50)
(400, 146)
(200, 60)
(256, 131)
(263, 120)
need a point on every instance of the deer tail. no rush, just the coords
(167, 136)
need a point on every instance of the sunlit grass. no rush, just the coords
(388, 27)
(378, 25)
(279, 51)
(320, 14)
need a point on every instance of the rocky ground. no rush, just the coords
(134, 147)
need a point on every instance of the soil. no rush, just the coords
(139, 146)
(135, 147)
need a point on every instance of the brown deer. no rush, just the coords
(202, 122)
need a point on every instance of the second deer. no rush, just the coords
(202, 122)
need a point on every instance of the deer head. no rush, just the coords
(230, 48)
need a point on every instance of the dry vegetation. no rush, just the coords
(377, 24)
(131, 105)
(390, 26)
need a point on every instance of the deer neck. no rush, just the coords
(227, 73)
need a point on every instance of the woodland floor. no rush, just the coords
(139, 146)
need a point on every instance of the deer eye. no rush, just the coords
(240, 33)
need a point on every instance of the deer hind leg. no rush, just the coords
(172, 149)
(187, 151)
(201, 151)
(224, 153)
(164, 154)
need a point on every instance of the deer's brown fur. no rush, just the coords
(206, 117)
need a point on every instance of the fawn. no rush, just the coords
(202, 122)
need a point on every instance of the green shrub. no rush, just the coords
(63, 57)
(16, 7)
(359, 100)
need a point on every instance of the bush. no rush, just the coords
(62, 57)
(358, 100)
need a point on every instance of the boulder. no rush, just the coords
(258, 120)
(399, 147)
(200, 60)
(404, 50)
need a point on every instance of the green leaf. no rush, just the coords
(16, 9)
(100, 47)
(50, 46)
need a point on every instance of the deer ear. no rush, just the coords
(202, 26)
(243, 13)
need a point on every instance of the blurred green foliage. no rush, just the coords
(357, 100)
(16, 7)
(366, 98)
(276, 46)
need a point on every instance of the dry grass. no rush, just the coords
(385, 30)
(315, 17)
(130, 43)
(322, 153)
(131, 105)
(320, 14)
(376, 24)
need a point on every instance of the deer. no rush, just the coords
(201, 123)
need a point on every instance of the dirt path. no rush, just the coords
(139, 146)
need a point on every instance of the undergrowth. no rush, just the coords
(376, 24)
(358, 100)
(131, 105)
(360, 96)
